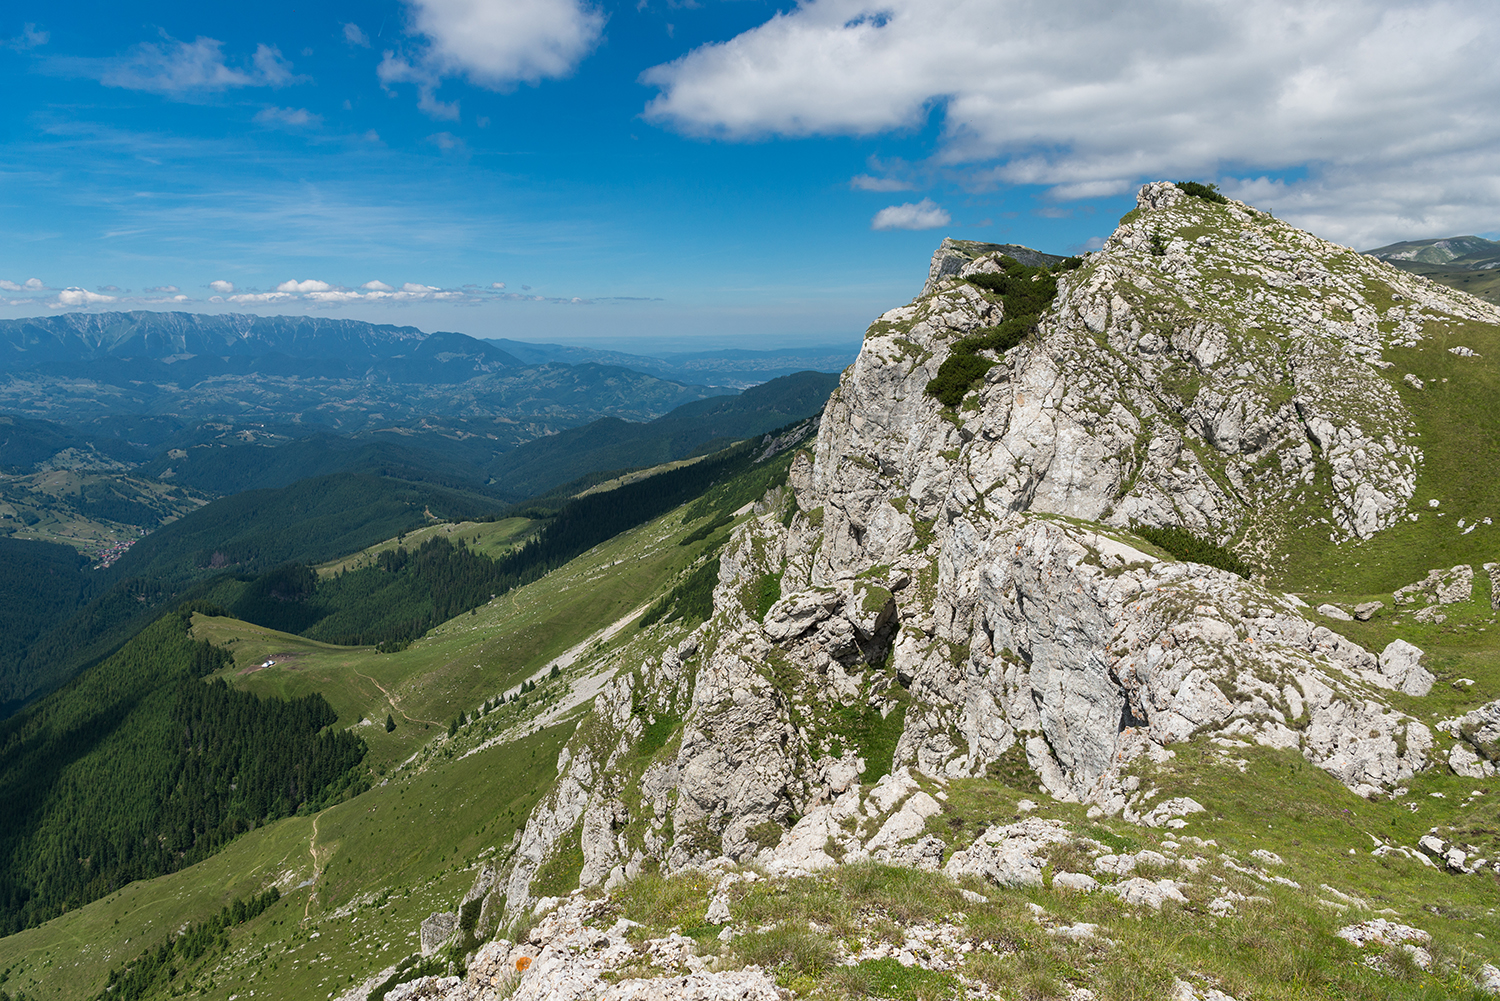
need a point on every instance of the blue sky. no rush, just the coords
(670, 175)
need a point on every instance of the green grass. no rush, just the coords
(487, 538)
(384, 862)
(467, 660)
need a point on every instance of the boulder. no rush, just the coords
(1009, 855)
(1401, 665)
(1148, 893)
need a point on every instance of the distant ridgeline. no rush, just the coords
(138, 768)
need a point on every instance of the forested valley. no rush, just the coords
(138, 767)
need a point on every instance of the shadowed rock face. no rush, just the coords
(960, 580)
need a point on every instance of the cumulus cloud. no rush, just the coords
(1375, 106)
(414, 287)
(175, 68)
(221, 286)
(308, 285)
(497, 284)
(495, 44)
(925, 214)
(354, 36)
(293, 117)
(79, 297)
(378, 286)
(29, 285)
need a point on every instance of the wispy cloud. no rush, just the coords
(448, 143)
(864, 182)
(29, 38)
(394, 69)
(181, 70)
(289, 117)
(925, 214)
(354, 36)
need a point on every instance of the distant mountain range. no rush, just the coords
(350, 375)
(733, 367)
(1468, 263)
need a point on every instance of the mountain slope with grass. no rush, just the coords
(1149, 650)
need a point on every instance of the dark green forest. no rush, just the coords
(40, 582)
(138, 767)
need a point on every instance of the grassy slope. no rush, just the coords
(419, 836)
(488, 538)
(1459, 426)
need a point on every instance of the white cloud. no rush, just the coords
(378, 286)
(294, 117)
(79, 297)
(925, 214)
(161, 288)
(252, 298)
(497, 284)
(354, 36)
(10, 286)
(34, 285)
(221, 286)
(30, 285)
(176, 68)
(309, 285)
(1383, 106)
(864, 182)
(495, 44)
(414, 287)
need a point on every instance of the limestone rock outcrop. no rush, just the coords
(960, 590)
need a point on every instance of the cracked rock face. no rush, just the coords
(961, 580)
